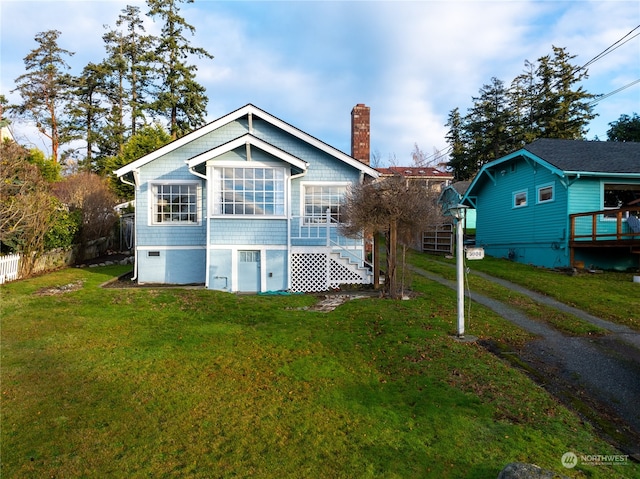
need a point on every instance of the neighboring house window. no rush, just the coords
(257, 191)
(175, 203)
(520, 199)
(318, 198)
(546, 193)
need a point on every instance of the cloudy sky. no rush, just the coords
(309, 62)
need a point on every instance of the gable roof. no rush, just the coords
(569, 159)
(248, 109)
(588, 156)
(248, 139)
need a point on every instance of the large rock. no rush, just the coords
(520, 470)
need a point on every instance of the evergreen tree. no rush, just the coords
(137, 52)
(488, 124)
(180, 99)
(147, 139)
(626, 128)
(45, 89)
(88, 111)
(562, 111)
(542, 102)
(459, 161)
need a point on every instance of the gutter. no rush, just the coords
(136, 182)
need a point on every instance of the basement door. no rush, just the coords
(249, 271)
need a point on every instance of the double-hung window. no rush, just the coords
(249, 191)
(174, 203)
(318, 199)
(520, 199)
(546, 193)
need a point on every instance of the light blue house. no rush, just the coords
(561, 203)
(247, 203)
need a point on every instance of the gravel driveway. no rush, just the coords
(598, 377)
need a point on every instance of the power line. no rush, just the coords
(612, 47)
(594, 102)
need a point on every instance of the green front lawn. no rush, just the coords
(192, 383)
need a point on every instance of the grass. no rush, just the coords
(192, 383)
(608, 295)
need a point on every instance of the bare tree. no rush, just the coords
(90, 194)
(395, 208)
(27, 208)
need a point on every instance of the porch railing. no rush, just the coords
(324, 231)
(603, 225)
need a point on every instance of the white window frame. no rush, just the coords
(280, 198)
(320, 218)
(515, 196)
(154, 203)
(539, 190)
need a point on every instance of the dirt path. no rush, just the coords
(598, 377)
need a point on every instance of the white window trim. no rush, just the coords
(515, 194)
(551, 185)
(304, 184)
(152, 203)
(213, 188)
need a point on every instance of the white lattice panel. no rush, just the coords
(319, 271)
(309, 272)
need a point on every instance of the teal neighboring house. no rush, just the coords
(247, 203)
(561, 203)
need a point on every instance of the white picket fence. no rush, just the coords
(9, 267)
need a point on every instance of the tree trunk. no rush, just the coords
(392, 246)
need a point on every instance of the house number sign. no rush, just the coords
(475, 253)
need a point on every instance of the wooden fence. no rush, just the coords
(9, 265)
(439, 239)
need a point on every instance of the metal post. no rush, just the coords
(328, 227)
(460, 272)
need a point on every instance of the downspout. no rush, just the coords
(291, 178)
(136, 182)
(208, 226)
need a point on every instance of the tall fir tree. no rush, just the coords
(45, 89)
(181, 100)
(542, 102)
(88, 110)
(459, 161)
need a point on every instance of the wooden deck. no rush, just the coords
(603, 229)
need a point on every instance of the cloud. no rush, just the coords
(309, 63)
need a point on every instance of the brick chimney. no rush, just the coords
(360, 135)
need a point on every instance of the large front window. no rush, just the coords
(255, 191)
(320, 199)
(175, 203)
(618, 195)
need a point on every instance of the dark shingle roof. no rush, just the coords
(588, 156)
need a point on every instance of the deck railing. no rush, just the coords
(603, 225)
